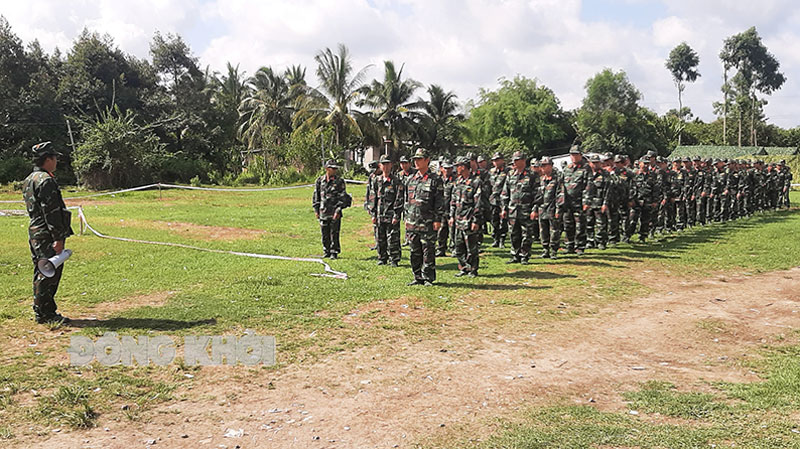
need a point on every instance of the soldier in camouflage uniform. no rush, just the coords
(406, 171)
(497, 180)
(536, 171)
(616, 195)
(787, 184)
(549, 203)
(374, 172)
(466, 218)
(596, 203)
(48, 229)
(626, 176)
(328, 201)
(645, 196)
(518, 198)
(446, 232)
(576, 176)
(486, 184)
(719, 181)
(387, 210)
(681, 182)
(698, 191)
(424, 209)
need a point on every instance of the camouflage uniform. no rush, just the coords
(576, 176)
(387, 210)
(49, 223)
(465, 211)
(787, 185)
(549, 206)
(424, 205)
(499, 224)
(369, 197)
(681, 182)
(626, 177)
(645, 196)
(518, 197)
(596, 196)
(328, 202)
(719, 181)
(446, 233)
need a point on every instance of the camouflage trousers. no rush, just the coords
(422, 250)
(574, 228)
(701, 205)
(499, 225)
(785, 198)
(443, 237)
(330, 235)
(388, 240)
(613, 223)
(44, 288)
(640, 214)
(550, 231)
(596, 226)
(682, 215)
(521, 236)
(691, 211)
(466, 250)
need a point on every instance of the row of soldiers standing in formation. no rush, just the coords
(595, 201)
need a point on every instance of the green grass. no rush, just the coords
(309, 316)
(751, 415)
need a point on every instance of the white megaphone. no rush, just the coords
(48, 266)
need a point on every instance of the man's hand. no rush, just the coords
(604, 209)
(395, 221)
(474, 227)
(58, 246)
(337, 216)
(693, 198)
(317, 214)
(503, 214)
(703, 194)
(557, 215)
(437, 225)
(534, 215)
(374, 220)
(450, 222)
(664, 201)
(585, 207)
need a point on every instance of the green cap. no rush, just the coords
(517, 155)
(331, 164)
(497, 155)
(462, 160)
(385, 159)
(44, 149)
(421, 153)
(575, 149)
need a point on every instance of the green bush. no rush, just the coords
(14, 169)
(182, 169)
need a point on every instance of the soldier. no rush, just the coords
(549, 203)
(328, 201)
(446, 233)
(424, 208)
(48, 229)
(387, 210)
(483, 175)
(374, 172)
(645, 197)
(787, 184)
(497, 180)
(719, 181)
(466, 218)
(406, 171)
(698, 191)
(596, 203)
(576, 176)
(536, 172)
(518, 197)
(625, 175)
(681, 182)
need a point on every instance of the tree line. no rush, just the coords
(123, 120)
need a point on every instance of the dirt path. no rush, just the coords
(385, 396)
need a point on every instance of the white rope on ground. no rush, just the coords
(329, 272)
(177, 186)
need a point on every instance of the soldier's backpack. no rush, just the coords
(347, 200)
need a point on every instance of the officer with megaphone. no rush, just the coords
(49, 228)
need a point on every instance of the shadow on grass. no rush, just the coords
(140, 323)
(491, 287)
(529, 274)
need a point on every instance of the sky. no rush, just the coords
(463, 45)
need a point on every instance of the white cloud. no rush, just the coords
(460, 44)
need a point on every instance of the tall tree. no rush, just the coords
(266, 115)
(440, 124)
(390, 102)
(332, 102)
(757, 71)
(682, 64)
(521, 114)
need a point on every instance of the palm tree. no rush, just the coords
(440, 123)
(338, 90)
(390, 101)
(230, 89)
(267, 113)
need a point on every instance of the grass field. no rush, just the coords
(137, 289)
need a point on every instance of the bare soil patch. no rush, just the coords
(689, 332)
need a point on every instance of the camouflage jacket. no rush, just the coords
(448, 190)
(50, 219)
(679, 180)
(387, 201)
(598, 190)
(719, 181)
(550, 198)
(424, 201)
(465, 203)
(486, 188)
(519, 193)
(644, 186)
(626, 177)
(497, 180)
(576, 176)
(369, 195)
(732, 186)
(328, 196)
